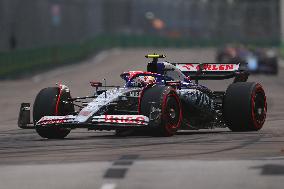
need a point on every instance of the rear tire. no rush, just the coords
(45, 105)
(168, 119)
(245, 106)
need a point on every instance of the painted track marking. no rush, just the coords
(115, 173)
(108, 186)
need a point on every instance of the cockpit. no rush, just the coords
(142, 79)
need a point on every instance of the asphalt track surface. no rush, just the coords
(87, 159)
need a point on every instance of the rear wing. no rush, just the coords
(211, 71)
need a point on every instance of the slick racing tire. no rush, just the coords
(48, 102)
(162, 105)
(245, 106)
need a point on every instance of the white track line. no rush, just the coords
(108, 186)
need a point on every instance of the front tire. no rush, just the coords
(245, 106)
(169, 117)
(48, 102)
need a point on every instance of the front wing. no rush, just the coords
(102, 122)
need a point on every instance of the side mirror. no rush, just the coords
(96, 84)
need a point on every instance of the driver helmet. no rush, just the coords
(149, 79)
(143, 81)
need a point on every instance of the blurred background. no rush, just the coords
(41, 34)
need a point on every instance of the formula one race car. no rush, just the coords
(161, 101)
(254, 60)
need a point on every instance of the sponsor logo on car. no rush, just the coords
(208, 67)
(48, 120)
(127, 119)
(134, 93)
